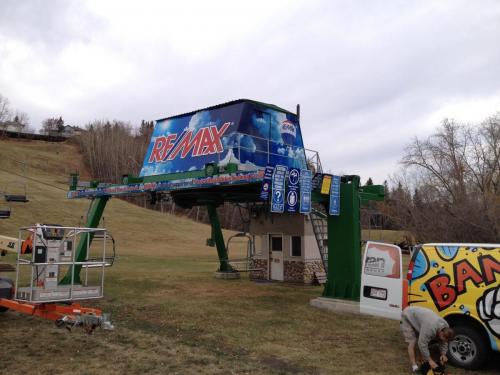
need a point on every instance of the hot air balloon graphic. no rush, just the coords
(288, 132)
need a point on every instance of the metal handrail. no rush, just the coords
(237, 144)
(67, 233)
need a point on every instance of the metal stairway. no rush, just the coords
(318, 215)
(320, 228)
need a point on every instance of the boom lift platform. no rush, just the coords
(42, 258)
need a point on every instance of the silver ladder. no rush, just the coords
(320, 228)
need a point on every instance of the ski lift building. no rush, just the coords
(286, 248)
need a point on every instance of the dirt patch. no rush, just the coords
(281, 365)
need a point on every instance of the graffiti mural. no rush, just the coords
(459, 280)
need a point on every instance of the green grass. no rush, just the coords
(171, 315)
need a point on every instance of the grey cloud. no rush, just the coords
(47, 24)
(367, 75)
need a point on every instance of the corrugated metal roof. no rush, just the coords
(272, 106)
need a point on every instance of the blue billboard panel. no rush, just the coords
(334, 208)
(278, 193)
(249, 134)
(305, 191)
(292, 195)
(266, 183)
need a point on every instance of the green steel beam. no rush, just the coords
(95, 214)
(344, 247)
(218, 238)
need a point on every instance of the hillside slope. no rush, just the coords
(136, 230)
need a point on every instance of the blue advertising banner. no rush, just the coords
(266, 183)
(292, 195)
(244, 133)
(187, 183)
(305, 191)
(334, 209)
(278, 197)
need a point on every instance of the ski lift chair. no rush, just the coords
(243, 264)
(4, 211)
(15, 197)
(110, 242)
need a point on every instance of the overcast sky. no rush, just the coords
(369, 75)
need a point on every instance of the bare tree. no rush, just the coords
(52, 125)
(111, 150)
(5, 111)
(21, 120)
(456, 180)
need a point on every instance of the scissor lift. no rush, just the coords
(46, 255)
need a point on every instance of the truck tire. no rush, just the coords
(469, 349)
(5, 291)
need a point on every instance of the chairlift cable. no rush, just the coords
(33, 179)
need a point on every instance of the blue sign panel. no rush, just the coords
(305, 191)
(335, 196)
(266, 183)
(249, 134)
(278, 197)
(292, 195)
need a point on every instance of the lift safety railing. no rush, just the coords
(69, 292)
(242, 264)
(306, 158)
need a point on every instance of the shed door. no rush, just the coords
(276, 256)
(382, 281)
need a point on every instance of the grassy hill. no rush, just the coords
(171, 315)
(47, 167)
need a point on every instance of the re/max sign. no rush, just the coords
(204, 141)
(444, 293)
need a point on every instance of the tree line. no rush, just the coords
(448, 189)
(12, 118)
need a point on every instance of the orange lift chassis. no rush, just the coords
(42, 259)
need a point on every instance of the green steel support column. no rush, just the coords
(93, 220)
(219, 238)
(344, 252)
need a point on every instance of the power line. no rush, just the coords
(33, 179)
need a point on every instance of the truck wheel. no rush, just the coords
(5, 291)
(468, 349)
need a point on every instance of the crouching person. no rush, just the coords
(421, 326)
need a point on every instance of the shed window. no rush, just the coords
(276, 243)
(296, 246)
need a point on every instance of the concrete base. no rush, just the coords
(227, 275)
(341, 306)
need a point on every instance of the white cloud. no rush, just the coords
(368, 76)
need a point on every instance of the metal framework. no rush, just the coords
(343, 253)
(225, 180)
(40, 257)
(76, 289)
